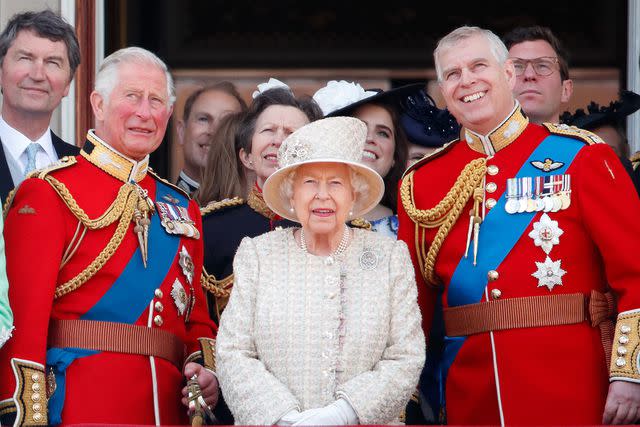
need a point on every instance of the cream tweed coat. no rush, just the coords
(296, 336)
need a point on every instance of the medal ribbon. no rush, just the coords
(126, 299)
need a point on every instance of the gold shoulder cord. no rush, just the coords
(443, 216)
(122, 209)
(219, 288)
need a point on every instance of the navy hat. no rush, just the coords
(425, 124)
(342, 98)
(613, 114)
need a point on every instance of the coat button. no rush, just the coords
(158, 293)
(492, 170)
(496, 293)
(492, 187)
(493, 275)
(158, 306)
(491, 203)
(158, 320)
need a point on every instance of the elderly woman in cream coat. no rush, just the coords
(323, 326)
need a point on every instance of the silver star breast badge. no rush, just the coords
(179, 296)
(546, 233)
(549, 273)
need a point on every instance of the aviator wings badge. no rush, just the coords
(547, 166)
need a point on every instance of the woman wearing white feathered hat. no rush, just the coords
(323, 326)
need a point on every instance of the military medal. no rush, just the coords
(566, 191)
(512, 194)
(546, 233)
(549, 273)
(176, 220)
(187, 264)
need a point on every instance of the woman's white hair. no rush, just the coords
(107, 76)
(359, 185)
(496, 45)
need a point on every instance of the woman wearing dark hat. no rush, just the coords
(272, 116)
(609, 123)
(386, 146)
(323, 326)
(427, 127)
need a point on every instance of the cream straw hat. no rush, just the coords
(334, 140)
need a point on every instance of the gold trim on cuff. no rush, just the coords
(30, 395)
(626, 345)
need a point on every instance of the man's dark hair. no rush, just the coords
(224, 86)
(527, 34)
(46, 24)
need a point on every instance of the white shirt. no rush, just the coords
(15, 144)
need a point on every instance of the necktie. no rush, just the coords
(32, 150)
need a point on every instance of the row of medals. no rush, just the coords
(553, 202)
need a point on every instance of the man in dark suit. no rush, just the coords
(39, 54)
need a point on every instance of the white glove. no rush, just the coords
(289, 418)
(336, 413)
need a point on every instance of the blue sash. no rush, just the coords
(499, 233)
(126, 299)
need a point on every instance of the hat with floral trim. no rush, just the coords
(329, 140)
(341, 98)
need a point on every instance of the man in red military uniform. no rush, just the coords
(525, 231)
(103, 260)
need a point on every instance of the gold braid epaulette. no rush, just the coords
(219, 288)
(217, 205)
(444, 215)
(121, 209)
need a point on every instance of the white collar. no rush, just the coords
(15, 142)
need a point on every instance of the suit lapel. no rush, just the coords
(6, 182)
(62, 148)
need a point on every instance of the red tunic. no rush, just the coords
(538, 375)
(106, 387)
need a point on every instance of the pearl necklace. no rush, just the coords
(344, 242)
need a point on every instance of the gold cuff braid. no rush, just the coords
(31, 393)
(208, 346)
(626, 346)
(443, 216)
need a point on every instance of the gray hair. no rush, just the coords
(107, 76)
(359, 185)
(46, 24)
(496, 45)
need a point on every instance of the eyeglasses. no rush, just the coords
(543, 66)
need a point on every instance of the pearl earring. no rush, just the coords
(291, 209)
(350, 213)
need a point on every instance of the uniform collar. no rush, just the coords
(503, 135)
(102, 155)
(255, 200)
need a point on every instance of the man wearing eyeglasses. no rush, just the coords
(542, 72)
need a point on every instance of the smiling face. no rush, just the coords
(134, 118)
(35, 76)
(475, 86)
(540, 96)
(322, 197)
(196, 131)
(381, 137)
(273, 125)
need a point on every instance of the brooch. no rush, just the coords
(368, 260)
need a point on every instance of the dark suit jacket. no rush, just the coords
(6, 183)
